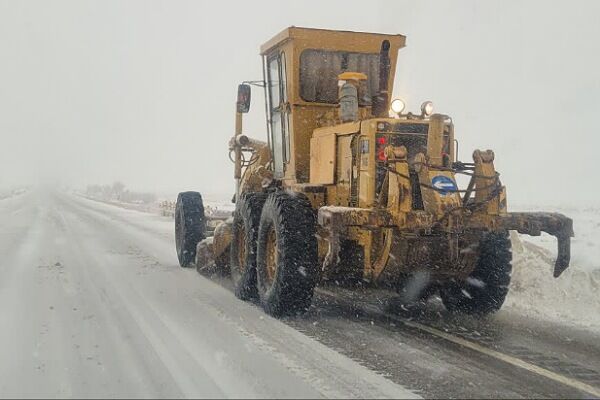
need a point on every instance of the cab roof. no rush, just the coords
(332, 39)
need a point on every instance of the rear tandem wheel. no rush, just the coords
(190, 226)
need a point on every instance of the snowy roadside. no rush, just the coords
(570, 299)
(8, 193)
(156, 206)
(573, 297)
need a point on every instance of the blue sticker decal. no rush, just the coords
(444, 184)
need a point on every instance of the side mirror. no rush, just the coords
(243, 98)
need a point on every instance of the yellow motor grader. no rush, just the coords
(351, 189)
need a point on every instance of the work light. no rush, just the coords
(398, 106)
(427, 108)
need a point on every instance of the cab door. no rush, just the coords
(278, 112)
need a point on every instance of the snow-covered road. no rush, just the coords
(94, 307)
(93, 304)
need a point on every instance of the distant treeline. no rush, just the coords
(118, 192)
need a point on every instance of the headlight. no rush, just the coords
(427, 108)
(397, 106)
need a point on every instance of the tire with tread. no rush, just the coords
(242, 263)
(290, 219)
(486, 288)
(190, 226)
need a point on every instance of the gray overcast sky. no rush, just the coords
(144, 91)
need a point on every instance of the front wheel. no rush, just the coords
(190, 226)
(287, 256)
(485, 290)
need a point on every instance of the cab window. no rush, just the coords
(319, 70)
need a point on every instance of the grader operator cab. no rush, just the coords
(348, 188)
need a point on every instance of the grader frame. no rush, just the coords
(377, 181)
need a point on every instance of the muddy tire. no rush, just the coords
(190, 226)
(287, 257)
(244, 236)
(486, 288)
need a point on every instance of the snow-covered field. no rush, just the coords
(574, 297)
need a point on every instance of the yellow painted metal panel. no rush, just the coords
(322, 160)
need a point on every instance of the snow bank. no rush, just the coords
(573, 298)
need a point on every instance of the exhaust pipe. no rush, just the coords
(381, 100)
